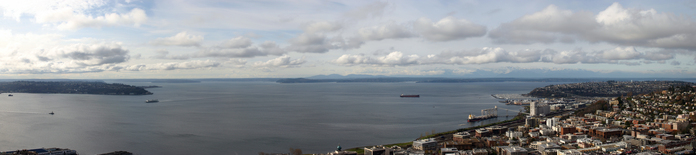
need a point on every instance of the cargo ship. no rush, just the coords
(473, 118)
(402, 95)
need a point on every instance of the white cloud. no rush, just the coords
(392, 59)
(240, 49)
(281, 62)
(317, 37)
(373, 10)
(388, 31)
(16, 9)
(576, 56)
(321, 43)
(621, 54)
(675, 63)
(180, 39)
(637, 27)
(238, 42)
(489, 55)
(94, 54)
(194, 64)
(448, 28)
(321, 27)
(546, 26)
(164, 54)
(237, 63)
(181, 65)
(76, 58)
(68, 19)
(615, 24)
(10, 42)
(660, 55)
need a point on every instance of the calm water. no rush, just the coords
(244, 118)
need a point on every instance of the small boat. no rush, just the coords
(151, 101)
(51, 113)
(402, 95)
(10, 95)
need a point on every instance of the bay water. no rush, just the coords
(246, 117)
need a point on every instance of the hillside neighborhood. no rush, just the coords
(658, 122)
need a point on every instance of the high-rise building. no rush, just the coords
(552, 122)
(538, 109)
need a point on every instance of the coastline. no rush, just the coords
(515, 119)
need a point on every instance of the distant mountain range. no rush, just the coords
(349, 76)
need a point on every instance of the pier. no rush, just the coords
(493, 112)
(490, 113)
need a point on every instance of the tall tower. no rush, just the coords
(533, 109)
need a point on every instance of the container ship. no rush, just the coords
(402, 95)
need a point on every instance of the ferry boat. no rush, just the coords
(402, 95)
(151, 101)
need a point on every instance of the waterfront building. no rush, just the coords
(460, 136)
(425, 144)
(378, 150)
(343, 153)
(483, 132)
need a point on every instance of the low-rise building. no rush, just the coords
(425, 144)
(569, 152)
(449, 151)
(483, 132)
(511, 150)
(460, 136)
(378, 150)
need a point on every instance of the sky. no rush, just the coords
(129, 39)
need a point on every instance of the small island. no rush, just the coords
(71, 87)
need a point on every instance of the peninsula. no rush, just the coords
(71, 87)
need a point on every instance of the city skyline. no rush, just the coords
(107, 39)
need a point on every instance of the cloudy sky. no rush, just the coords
(241, 39)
